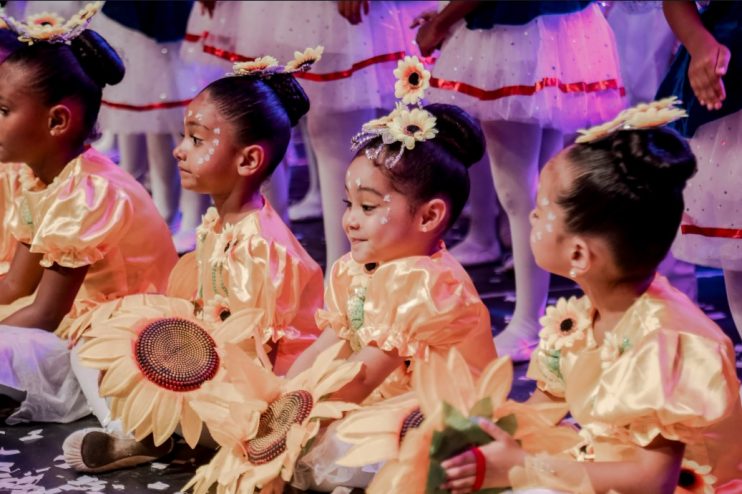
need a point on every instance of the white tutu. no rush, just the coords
(567, 64)
(713, 197)
(337, 83)
(155, 75)
(643, 64)
(317, 470)
(37, 362)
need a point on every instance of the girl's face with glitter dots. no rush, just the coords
(551, 243)
(208, 158)
(378, 220)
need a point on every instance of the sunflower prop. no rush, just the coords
(403, 125)
(284, 417)
(413, 446)
(156, 357)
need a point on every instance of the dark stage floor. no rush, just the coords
(30, 460)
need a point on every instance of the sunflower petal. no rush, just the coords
(119, 379)
(166, 417)
(191, 425)
(495, 381)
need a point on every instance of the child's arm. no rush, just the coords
(57, 291)
(377, 365)
(306, 359)
(23, 276)
(709, 59)
(655, 468)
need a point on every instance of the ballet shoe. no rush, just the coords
(95, 450)
(519, 347)
(470, 252)
(309, 208)
(184, 241)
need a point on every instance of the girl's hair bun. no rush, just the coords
(458, 133)
(96, 57)
(293, 98)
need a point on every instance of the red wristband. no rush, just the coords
(480, 469)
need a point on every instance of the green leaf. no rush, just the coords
(508, 423)
(482, 408)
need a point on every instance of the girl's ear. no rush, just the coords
(251, 160)
(432, 216)
(580, 258)
(60, 120)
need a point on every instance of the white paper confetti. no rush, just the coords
(158, 486)
(158, 466)
(8, 452)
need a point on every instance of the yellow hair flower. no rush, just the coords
(257, 66)
(409, 127)
(412, 80)
(303, 61)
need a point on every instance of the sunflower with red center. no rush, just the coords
(567, 324)
(282, 417)
(695, 478)
(412, 80)
(156, 357)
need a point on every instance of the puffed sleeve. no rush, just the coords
(183, 280)
(334, 315)
(267, 275)
(84, 219)
(417, 306)
(673, 383)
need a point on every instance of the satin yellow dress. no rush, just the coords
(414, 306)
(666, 369)
(11, 177)
(92, 214)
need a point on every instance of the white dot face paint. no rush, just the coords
(190, 113)
(550, 228)
(388, 198)
(385, 219)
(544, 202)
(358, 182)
(216, 142)
(539, 236)
(217, 131)
(199, 117)
(550, 216)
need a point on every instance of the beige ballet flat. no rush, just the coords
(95, 450)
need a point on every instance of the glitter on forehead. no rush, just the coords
(358, 182)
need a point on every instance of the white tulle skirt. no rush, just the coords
(317, 470)
(37, 362)
(713, 198)
(157, 86)
(557, 71)
(356, 68)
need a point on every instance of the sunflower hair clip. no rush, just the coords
(48, 27)
(641, 116)
(405, 125)
(268, 66)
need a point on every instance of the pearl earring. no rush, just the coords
(573, 273)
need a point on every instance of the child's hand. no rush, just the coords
(430, 36)
(709, 61)
(351, 10)
(500, 456)
(423, 19)
(207, 7)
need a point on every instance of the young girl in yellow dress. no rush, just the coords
(86, 232)
(249, 281)
(398, 297)
(648, 377)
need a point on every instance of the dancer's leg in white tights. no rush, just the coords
(330, 134)
(276, 189)
(481, 243)
(163, 175)
(515, 152)
(88, 379)
(311, 204)
(733, 283)
(133, 157)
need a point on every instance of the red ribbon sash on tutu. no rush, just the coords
(735, 233)
(461, 87)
